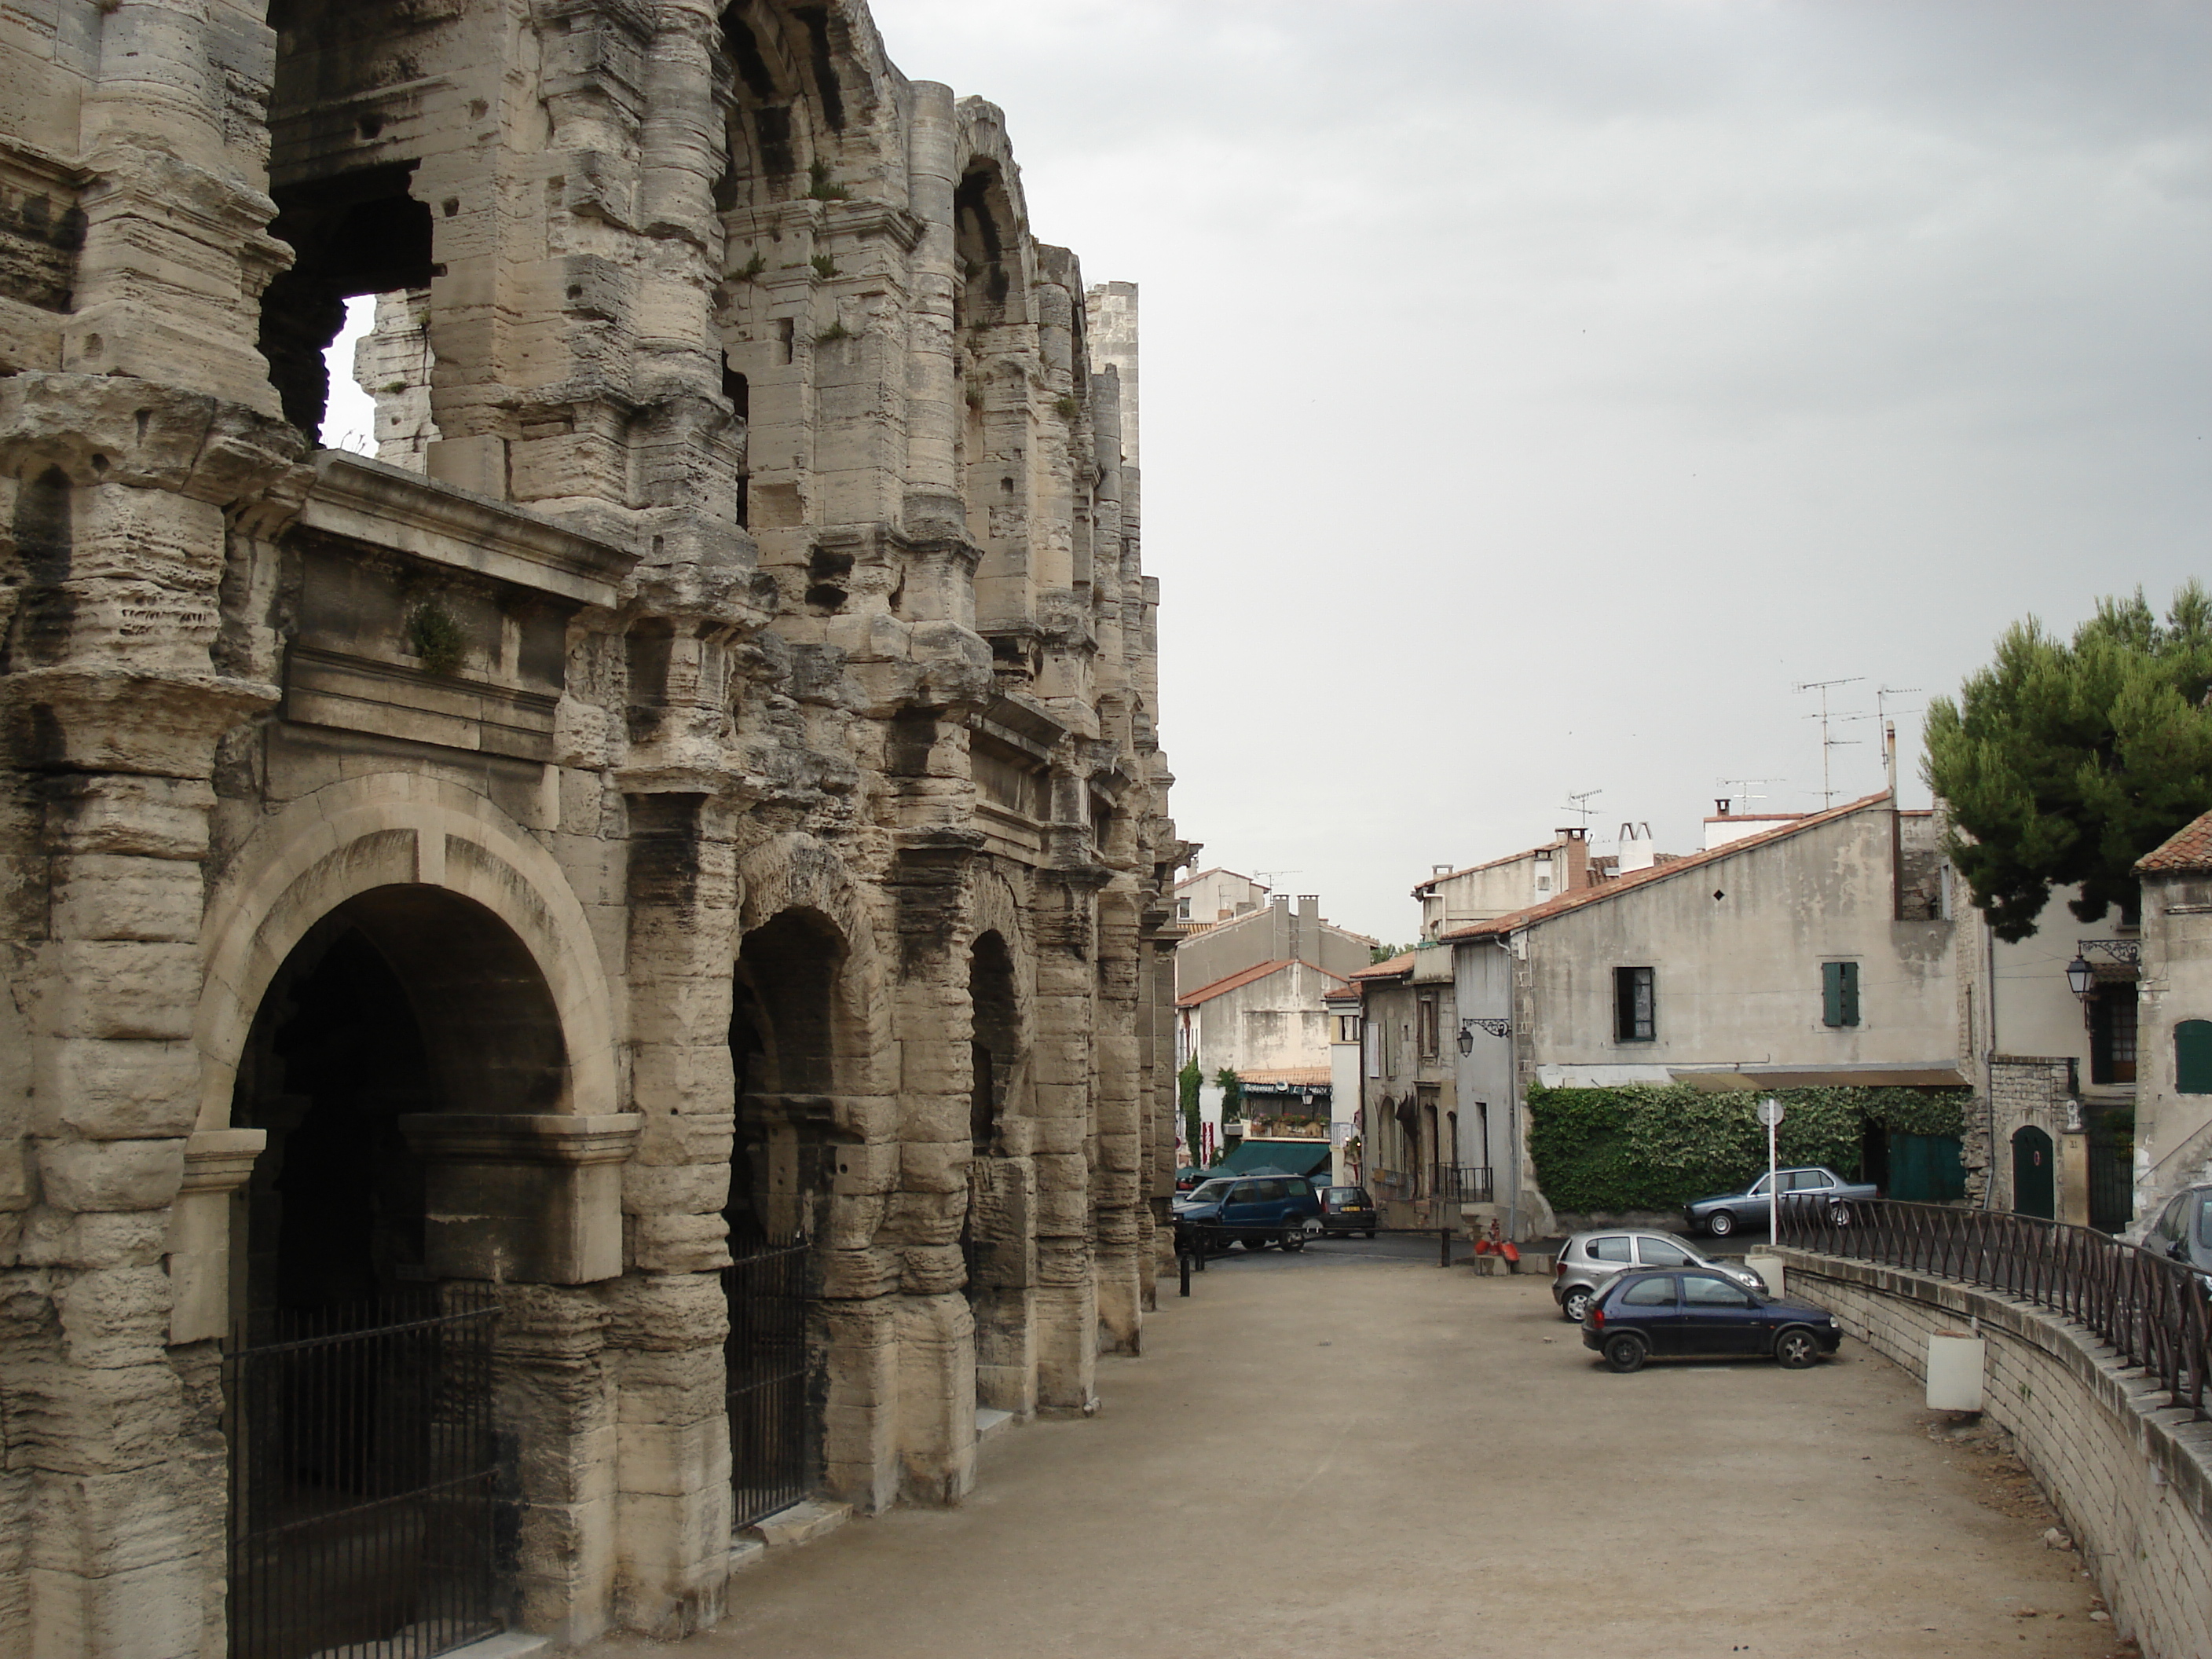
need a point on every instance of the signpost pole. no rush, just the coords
(1770, 1113)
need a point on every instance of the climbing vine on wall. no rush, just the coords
(1187, 1085)
(1652, 1149)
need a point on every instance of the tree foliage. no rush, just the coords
(2064, 761)
(1187, 1086)
(1232, 1095)
(1384, 952)
(1647, 1148)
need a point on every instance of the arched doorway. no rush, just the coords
(996, 1235)
(358, 1391)
(787, 1034)
(2034, 1184)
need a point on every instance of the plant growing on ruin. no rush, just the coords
(750, 270)
(435, 636)
(2064, 761)
(1232, 1095)
(834, 332)
(974, 395)
(825, 265)
(818, 186)
(1068, 409)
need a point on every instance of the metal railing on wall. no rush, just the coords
(2152, 1311)
(1465, 1183)
(772, 1438)
(362, 1468)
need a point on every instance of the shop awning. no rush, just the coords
(1298, 1157)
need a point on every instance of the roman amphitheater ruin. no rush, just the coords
(600, 972)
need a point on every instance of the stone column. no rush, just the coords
(1067, 1294)
(936, 1335)
(673, 1480)
(933, 409)
(1117, 1195)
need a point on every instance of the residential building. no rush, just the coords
(1807, 954)
(1424, 1155)
(2173, 1110)
(1349, 1148)
(1453, 898)
(1216, 895)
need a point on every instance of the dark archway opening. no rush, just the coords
(358, 1394)
(2034, 1175)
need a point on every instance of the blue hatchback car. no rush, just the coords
(1657, 1316)
(1255, 1211)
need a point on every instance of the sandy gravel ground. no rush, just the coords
(1355, 1453)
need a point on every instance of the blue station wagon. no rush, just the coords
(1255, 1211)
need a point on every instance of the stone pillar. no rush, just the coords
(936, 1336)
(1066, 1293)
(2074, 1172)
(1117, 1193)
(674, 1479)
(933, 407)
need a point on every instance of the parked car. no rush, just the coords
(1255, 1211)
(1644, 1315)
(1722, 1215)
(1347, 1209)
(1189, 1176)
(1587, 1260)
(2181, 1231)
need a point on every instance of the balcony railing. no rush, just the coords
(1459, 1183)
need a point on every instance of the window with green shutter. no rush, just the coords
(2192, 1057)
(1839, 993)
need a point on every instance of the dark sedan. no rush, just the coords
(1657, 1316)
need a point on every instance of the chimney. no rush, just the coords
(1577, 862)
(1636, 850)
(1305, 935)
(1721, 805)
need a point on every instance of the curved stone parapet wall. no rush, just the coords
(2131, 1477)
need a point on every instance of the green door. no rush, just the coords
(1926, 1168)
(2034, 1182)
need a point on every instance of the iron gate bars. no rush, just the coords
(1465, 1183)
(2150, 1311)
(764, 1360)
(362, 1464)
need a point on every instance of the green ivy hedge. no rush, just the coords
(1647, 1148)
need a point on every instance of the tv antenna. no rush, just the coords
(1883, 712)
(1828, 744)
(1740, 789)
(1578, 800)
(1266, 877)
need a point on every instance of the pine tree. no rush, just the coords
(2063, 763)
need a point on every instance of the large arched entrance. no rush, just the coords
(787, 1032)
(357, 1389)
(995, 1238)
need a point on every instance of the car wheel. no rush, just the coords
(1293, 1239)
(1720, 1224)
(1797, 1349)
(1251, 1243)
(1625, 1352)
(1575, 1305)
(1840, 1213)
(1370, 1233)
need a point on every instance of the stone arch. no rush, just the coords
(796, 873)
(804, 84)
(397, 830)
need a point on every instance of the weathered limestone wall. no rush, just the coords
(744, 619)
(2131, 1477)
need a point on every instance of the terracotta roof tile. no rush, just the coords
(2190, 849)
(1575, 898)
(1397, 968)
(1244, 976)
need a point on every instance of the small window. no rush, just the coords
(1608, 1249)
(1348, 1028)
(1635, 1006)
(1839, 993)
(1650, 1293)
(2192, 1057)
(1182, 909)
(1428, 1016)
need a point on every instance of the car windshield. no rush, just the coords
(1209, 1192)
(1348, 1195)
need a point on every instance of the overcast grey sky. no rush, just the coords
(1535, 391)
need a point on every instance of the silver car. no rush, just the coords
(1587, 1260)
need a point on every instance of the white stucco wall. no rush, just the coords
(2173, 1131)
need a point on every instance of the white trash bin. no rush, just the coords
(1954, 1371)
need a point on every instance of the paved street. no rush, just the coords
(1354, 1453)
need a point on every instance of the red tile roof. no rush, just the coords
(1472, 869)
(2189, 849)
(1397, 968)
(1575, 898)
(1244, 976)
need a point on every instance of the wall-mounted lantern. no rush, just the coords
(2080, 975)
(1496, 1028)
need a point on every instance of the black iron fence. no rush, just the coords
(2152, 1311)
(361, 1463)
(1464, 1183)
(772, 1441)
